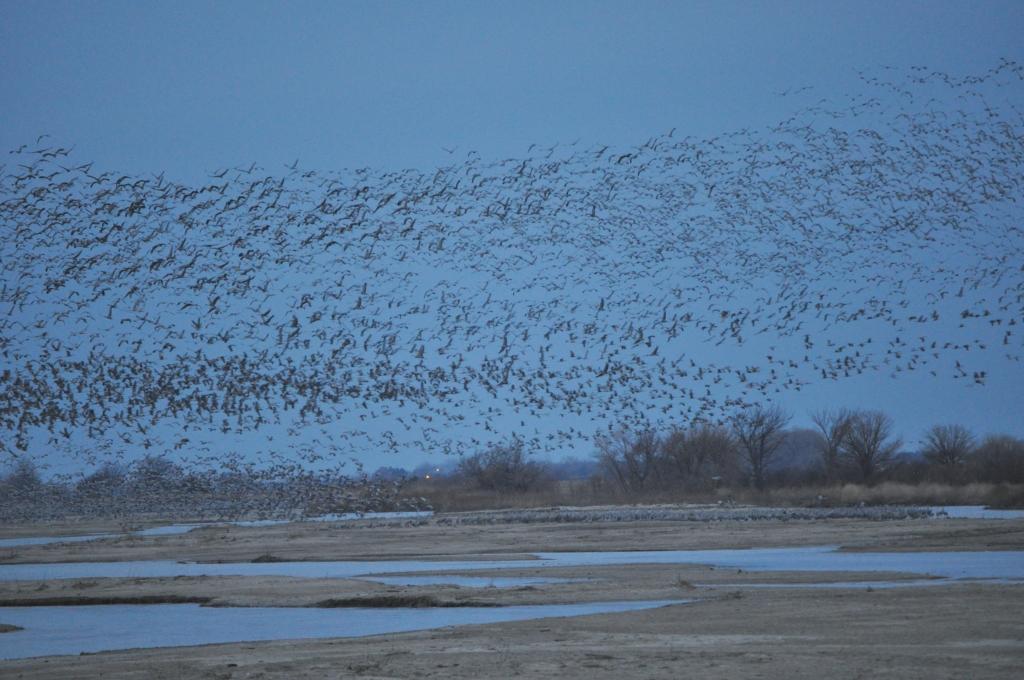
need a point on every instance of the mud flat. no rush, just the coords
(834, 624)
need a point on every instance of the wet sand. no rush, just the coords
(431, 540)
(964, 630)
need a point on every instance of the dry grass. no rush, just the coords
(674, 513)
(76, 601)
(448, 496)
(895, 493)
(451, 496)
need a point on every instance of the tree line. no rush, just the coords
(751, 448)
(755, 448)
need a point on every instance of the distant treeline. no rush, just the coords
(757, 449)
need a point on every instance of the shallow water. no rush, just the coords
(165, 530)
(46, 540)
(169, 568)
(73, 630)
(865, 585)
(953, 565)
(70, 630)
(975, 512)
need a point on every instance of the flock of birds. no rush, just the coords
(307, 314)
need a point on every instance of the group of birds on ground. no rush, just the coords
(543, 297)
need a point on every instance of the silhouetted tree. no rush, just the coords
(104, 480)
(868, 446)
(999, 459)
(24, 477)
(693, 457)
(948, 447)
(503, 467)
(629, 459)
(834, 427)
(759, 432)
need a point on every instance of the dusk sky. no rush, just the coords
(192, 88)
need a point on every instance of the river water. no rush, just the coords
(73, 630)
(1007, 564)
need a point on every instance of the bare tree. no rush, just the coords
(24, 477)
(759, 431)
(999, 459)
(948, 446)
(681, 462)
(834, 427)
(156, 472)
(696, 455)
(868, 446)
(504, 467)
(629, 459)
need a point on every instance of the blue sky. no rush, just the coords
(191, 87)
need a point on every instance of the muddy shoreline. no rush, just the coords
(729, 630)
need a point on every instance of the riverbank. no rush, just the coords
(733, 626)
(956, 632)
(466, 536)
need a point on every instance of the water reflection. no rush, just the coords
(975, 512)
(73, 630)
(1008, 564)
